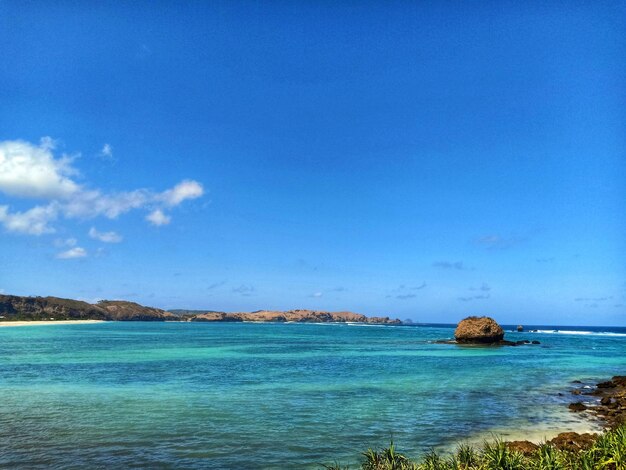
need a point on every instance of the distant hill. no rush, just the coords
(298, 316)
(13, 307)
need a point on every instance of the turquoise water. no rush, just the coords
(229, 395)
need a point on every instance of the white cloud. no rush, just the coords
(31, 171)
(34, 221)
(157, 217)
(76, 252)
(187, 189)
(106, 237)
(90, 204)
(107, 152)
(60, 243)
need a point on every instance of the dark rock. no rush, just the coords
(606, 401)
(520, 328)
(478, 330)
(619, 380)
(607, 384)
(535, 342)
(576, 382)
(577, 406)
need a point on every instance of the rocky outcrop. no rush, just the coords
(121, 310)
(520, 328)
(523, 447)
(478, 330)
(298, 316)
(573, 441)
(214, 316)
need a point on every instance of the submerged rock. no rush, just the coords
(478, 330)
(577, 406)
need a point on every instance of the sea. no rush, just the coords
(281, 395)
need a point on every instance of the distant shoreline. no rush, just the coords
(47, 322)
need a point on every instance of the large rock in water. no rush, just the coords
(478, 330)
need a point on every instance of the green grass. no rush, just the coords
(608, 452)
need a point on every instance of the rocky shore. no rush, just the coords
(606, 401)
(603, 401)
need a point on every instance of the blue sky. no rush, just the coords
(419, 160)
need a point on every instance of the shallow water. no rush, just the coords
(229, 395)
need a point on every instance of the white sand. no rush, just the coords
(48, 322)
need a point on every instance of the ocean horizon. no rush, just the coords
(257, 395)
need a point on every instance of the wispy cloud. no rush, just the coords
(338, 289)
(106, 153)
(76, 252)
(35, 221)
(215, 285)
(31, 171)
(316, 295)
(157, 217)
(244, 289)
(499, 242)
(592, 299)
(593, 302)
(545, 260)
(474, 297)
(484, 287)
(449, 265)
(403, 287)
(404, 292)
(60, 242)
(105, 237)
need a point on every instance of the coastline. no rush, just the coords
(591, 440)
(577, 429)
(48, 322)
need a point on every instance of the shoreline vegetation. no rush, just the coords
(606, 402)
(604, 451)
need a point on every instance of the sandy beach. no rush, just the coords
(49, 322)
